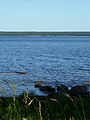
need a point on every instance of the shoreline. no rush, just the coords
(42, 88)
(34, 33)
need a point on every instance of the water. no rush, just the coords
(51, 59)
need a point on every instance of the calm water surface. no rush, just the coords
(51, 59)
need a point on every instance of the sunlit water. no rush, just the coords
(51, 59)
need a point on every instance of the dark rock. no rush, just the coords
(47, 89)
(62, 89)
(78, 90)
(39, 83)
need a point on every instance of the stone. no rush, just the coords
(39, 83)
(62, 89)
(78, 90)
(47, 89)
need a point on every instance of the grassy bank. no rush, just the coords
(52, 107)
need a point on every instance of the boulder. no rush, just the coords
(62, 89)
(47, 89)
(39, 83)
(78, 90)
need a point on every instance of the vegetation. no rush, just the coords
(52, 107)
(45, 33)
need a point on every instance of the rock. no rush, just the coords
(39, 83)
(62, 89)
(78, 90)
(47, 89)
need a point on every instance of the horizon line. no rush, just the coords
(42, 31)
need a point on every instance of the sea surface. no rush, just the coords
(53, 60)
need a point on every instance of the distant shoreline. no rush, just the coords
(11, 33)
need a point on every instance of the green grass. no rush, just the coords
(52, 107)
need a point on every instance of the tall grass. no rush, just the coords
(52, 107)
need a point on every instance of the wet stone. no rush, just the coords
(39, 83)
(62, 89)
(47, 89)
(78, 90)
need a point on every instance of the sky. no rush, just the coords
(44, 15)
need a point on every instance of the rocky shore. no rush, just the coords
(61, 89)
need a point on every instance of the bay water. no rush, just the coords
(51, 59)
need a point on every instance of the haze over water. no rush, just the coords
(47, 58)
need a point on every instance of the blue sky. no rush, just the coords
(45, 15)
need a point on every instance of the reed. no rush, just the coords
(52, 107)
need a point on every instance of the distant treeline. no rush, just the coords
(45, 33)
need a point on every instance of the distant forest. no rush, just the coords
(44, 33)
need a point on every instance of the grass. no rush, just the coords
(52, 107)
